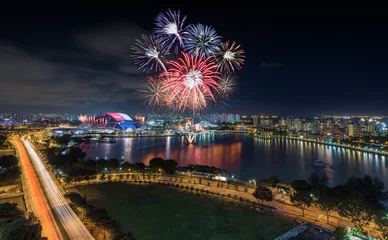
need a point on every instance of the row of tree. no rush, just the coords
(359, 199)
(206, 169)
(159, 164)
(14, 225)
(105, 226)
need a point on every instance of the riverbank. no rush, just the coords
(335, 145)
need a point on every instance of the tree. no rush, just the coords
(113, 164)
(273, 181)
(97, 214)
(63, 140)
(381, 219)
(68, 180)
(58, 161)
(102, 177)
(8, 161)
(75, 154)
(121, 177)
(101, 165)
(80, 172)
(170, 166)
(300, 185)
(324, 179)
(355, 209)
(139, 166)
(340, 233)
(126, 166)
(10, 210)
(76, 198)
(263, 193)
(318, 181)
(13, 224)
(370, 189)
(156, 163)
(301, 199)
(327, 201)
(90, 164)
(314, 179)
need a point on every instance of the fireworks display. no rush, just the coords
(191, 81)
(202, 40)
(150, 53)
(228, 85)
(230, 57)
(199, 72)
(151, 91)
(170, 29)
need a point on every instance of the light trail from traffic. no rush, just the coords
(73, 226)
(35, 197)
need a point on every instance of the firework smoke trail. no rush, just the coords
(202, 40)
(190, 81)
(230, 57)
(149, 54)
(170, 29)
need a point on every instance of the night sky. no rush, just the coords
(300, 60)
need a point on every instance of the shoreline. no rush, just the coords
(335, 145)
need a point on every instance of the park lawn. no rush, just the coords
(155, 212)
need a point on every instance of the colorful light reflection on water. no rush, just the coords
(248, 156)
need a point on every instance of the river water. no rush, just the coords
(247, 156)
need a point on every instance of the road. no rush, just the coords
(73, 226)
(35, 196)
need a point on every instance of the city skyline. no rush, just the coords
(323, 66)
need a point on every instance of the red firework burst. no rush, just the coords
(190, 82)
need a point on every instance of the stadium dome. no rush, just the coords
(109, 121)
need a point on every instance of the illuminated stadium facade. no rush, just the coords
(107, 122)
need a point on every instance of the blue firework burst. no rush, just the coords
(202, 40)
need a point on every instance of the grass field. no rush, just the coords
(154, 212)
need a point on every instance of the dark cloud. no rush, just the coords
(97, 71)
(111, 40)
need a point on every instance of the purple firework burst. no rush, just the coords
(202, 40)
(149, 54)
(170, 29)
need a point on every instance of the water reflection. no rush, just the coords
(251, 157)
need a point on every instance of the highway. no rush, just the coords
(71, 223)
(35, 197)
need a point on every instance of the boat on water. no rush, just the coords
(319, 162)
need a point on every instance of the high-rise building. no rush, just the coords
(350, 130)
(282, 122)
(223, 117)
(290, 124)
(230, 118)
(297, 124)
(255, 120)
(237, 118)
